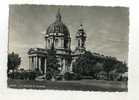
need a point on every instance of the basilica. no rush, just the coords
(57, 36)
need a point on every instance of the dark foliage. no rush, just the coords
(52, 64)
(72, 76)
(13, 61)
(90, 64)
(48, 76)
(24, 75)
(84, 63)
(68, 76)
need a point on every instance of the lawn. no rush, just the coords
(82, 85)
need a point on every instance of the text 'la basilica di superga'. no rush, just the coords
(57, 36)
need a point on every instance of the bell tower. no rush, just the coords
(80, 38)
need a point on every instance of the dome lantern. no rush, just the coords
(58, 15)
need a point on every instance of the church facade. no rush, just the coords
(57, 37)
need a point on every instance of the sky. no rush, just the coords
(107, 28)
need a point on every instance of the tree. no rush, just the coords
(89, 64)
(109, 64)
(13, 61)
(52, 63)
(97, 67)
(121, 67)
(84, 64)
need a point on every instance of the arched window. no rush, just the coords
(56, 42)
(78, 42)
(48, 43)
(65, 43)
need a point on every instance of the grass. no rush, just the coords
(83, 85)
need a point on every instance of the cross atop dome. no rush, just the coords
(58, 15)
(81, 26)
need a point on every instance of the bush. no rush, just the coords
(125, 78)
(48, 76)
(10, 75)
(59, 77)
(68, 76)
(77, 77)
(15, 75)
(72, 76)
(32, 75)
(23, 75)
(87, 77)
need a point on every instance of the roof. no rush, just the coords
(37, 51)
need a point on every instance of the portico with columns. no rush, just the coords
(37, 60)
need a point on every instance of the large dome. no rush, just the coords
(58, 26)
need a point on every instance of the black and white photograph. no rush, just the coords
(76, 48)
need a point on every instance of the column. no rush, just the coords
(39, 64)
(45, 42)
(35, 62)
(32, 64)
(71, 66)
(80, 42)
(50, 42)
(69, 42)
(45, 62)
(62, 43)
(29, 63)
(64, 67)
